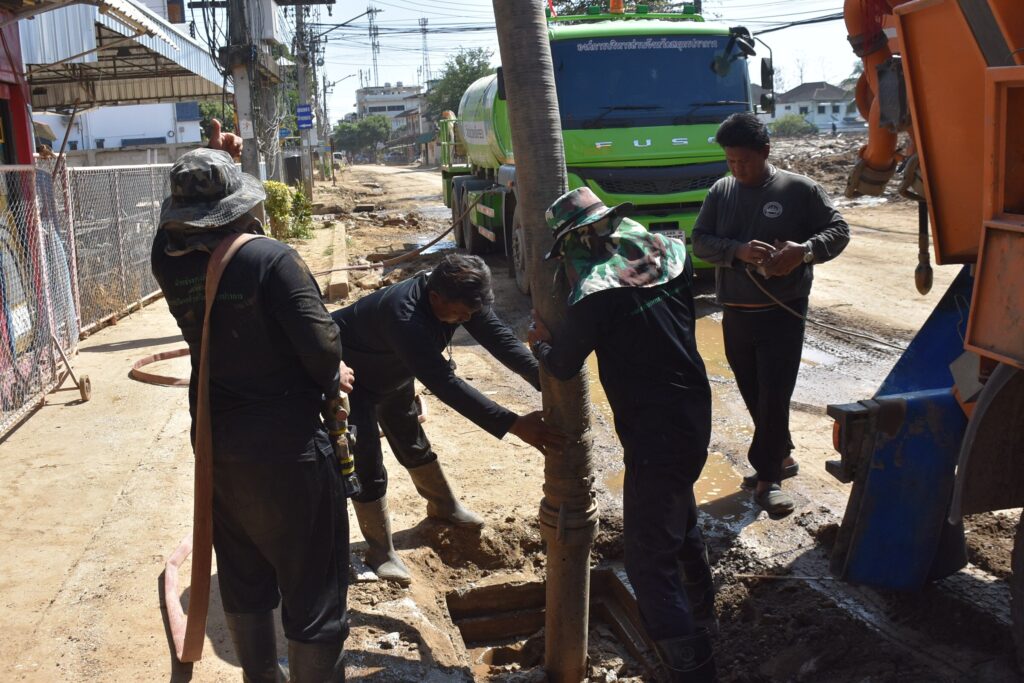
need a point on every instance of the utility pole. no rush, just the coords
(302, 55)
(237, 58)
(374, 43)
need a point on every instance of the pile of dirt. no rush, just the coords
(826, 159)
(990, 541)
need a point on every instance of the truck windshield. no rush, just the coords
(646, 81)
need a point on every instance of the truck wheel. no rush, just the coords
(456, 213)
(474, 241)
(518, 257)
(1017, 592)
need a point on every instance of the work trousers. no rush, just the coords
(660, 531)
(280, 531)
(398, 415)
(763, 347)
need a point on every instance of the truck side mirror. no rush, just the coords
(768, 103)
(767, 75)
(501, 84)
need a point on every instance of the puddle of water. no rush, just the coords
(717, 491)
(711, 346)
(443, 245)
(814, 357)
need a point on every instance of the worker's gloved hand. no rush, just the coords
(532, 429)
(226, 142)
(346, 378)
(754, 252)
(785, 259)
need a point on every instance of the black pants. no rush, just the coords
(398, 415)
(281, 535)
(660, 530)
(763, 347)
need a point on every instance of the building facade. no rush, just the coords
(821, 104)
(388, 100)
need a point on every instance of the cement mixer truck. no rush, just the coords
(641, 96)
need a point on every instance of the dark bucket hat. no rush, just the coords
(208, 191)
(574, 210)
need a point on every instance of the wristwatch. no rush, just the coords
(808, 253)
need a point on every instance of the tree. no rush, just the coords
(791, 125)
(568, 517)
(362, 136)
(578, 7)
(459, 72)
(213, 110)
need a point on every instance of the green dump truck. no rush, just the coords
(641, 96)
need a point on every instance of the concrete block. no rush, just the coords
(338, 287)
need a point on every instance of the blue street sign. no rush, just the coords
(304, 116)
(284, 132)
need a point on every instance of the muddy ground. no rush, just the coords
(96, 495)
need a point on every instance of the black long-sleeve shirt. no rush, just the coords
(650, 369)
(787, 207)
(392, 336)
(274, 350)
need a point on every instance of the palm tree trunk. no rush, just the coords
(568, 511)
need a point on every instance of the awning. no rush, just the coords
(43, 131)
(112, 52)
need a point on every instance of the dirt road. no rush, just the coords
(96, 496)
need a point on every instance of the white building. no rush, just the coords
(128, 125)
(821, 104)
(388, 100)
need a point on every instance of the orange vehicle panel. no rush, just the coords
(944, 70)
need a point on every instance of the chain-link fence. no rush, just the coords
(74, 252)
(37, 303)
(115, 211)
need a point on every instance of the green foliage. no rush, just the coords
(459, 72)
(278, 206)
(363, 135)
(791, 125)
(302, 216)
(570, 7)
(212, 110)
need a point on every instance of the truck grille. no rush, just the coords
(656, 180)
(659, 186)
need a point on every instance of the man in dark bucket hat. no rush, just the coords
(631, 302)
(280, 525)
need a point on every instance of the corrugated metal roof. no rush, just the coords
(58, 34)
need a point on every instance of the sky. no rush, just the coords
(820, 51)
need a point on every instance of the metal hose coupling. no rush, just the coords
(569, 525)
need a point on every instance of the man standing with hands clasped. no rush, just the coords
(764, 229)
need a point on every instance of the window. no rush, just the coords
(374, 110)
(835, 108)
(187, 111)
(804, 111)
(73, 144)
(789, 107)
(821, 108)
(396, 107)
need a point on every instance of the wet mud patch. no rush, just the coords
(780, 629)
(510, 545)
(990, 541)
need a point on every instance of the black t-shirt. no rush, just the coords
(392, 336)
(788, 207)
(274, 350)
(650, 369)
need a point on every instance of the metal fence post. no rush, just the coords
(121, 261)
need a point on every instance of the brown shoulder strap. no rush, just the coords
(191, 645)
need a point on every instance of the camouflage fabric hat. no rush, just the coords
(574, 210)
(600, 256)
(208, 191)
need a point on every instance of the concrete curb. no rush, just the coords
(338, 287)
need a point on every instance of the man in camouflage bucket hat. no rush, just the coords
(631, 302)
(280, 526)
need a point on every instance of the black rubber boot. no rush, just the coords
(689, 659)
(256, 646)
(699, 584)
(375, 523)
(316, 662)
